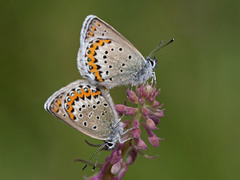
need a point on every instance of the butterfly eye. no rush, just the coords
(152, 62)
(110, 145)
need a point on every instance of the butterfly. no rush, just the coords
(106, 58)
(89, 109)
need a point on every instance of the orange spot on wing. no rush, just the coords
(91, 34)
(97, 23)
(96, 93)
(88, 93)
(56, 109)
(71, 116)
(100, 43)
(107, 41)
(59, 102)
(93, 28)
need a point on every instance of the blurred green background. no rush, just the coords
(198, 75)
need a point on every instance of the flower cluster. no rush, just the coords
(148, 109)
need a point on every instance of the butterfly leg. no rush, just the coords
(154, 79)
(123, 141)
(121, 133)
(124, 132)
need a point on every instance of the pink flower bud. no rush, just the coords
(130, 111)
(136, 123)
(149, 88)
(151, 99)
(157, 93)
(141, 101)
(158, 113)
(123, 171)
(150, 123)
(120, 109)
(154, 118)
(131, 156)
(140, 91)
(155, 103)
(116, 167)
(145, 111)
(116, 154)
(136, 133)
(141, 144)
(132, 97)
(154, 140)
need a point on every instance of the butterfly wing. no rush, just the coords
(105, 57)
(84, 107)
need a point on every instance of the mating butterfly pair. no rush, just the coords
(105, 59)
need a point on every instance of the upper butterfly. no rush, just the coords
(108, 59)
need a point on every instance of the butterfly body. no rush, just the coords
(108, 59)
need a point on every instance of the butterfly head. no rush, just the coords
(152, 62)
(110, 145)
(114, 137)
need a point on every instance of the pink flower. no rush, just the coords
(147, 114)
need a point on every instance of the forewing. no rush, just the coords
(105, 56)
(84, 107)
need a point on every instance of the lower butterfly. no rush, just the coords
(89, 109)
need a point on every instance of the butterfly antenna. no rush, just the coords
(100, 148)
(98, 157)
(160, 47)
(156, 49)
